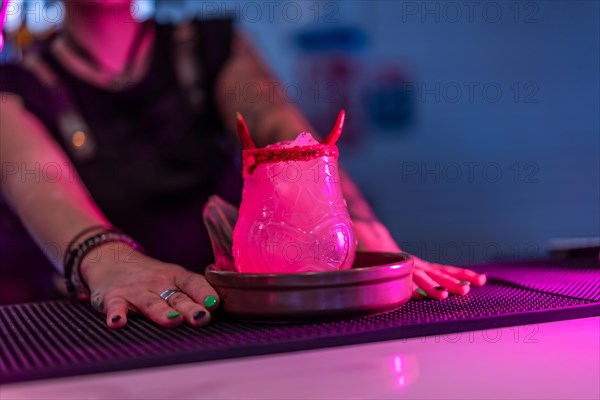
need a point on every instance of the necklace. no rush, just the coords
(123, 79)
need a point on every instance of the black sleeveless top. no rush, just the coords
(157, 158)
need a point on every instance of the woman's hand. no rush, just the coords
(123, 280)
(430, 280)
(437, 281)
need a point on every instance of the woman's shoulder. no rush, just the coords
(16, 78)
(213, 32)
(28, 75)
(28, 83)
(223, 23)
(205, 41)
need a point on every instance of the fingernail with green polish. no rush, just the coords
(464, 283)
(210, 301)
(421, 292)
(173, 314)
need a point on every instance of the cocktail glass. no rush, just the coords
(293, 216)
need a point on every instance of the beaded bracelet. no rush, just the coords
(76, 285)
(68, 264)
(78, 237)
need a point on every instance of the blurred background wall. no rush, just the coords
(473, 127)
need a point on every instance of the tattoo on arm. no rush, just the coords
(247, 86)
(358, 208)
(370, 232)
(97, 302)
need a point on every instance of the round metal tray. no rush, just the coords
(377, 282)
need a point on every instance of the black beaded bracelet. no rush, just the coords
(67, 259)
(78, 237)
(76, 285)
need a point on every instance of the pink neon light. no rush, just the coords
(2, 18)
(398, 364)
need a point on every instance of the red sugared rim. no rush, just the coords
(252, 158)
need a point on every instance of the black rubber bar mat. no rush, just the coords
(60, 338)
(578, 278)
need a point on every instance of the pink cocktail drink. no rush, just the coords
(293, 217)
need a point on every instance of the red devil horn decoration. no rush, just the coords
(244, 133)
(336, 132)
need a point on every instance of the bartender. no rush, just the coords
(113, 135)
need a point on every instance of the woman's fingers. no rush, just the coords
(416, 293)
(118, 288)
(155, 308)
(198, 289)
(116, 312)
(453, 285)
(192, 304)
(465, 275)
(192, 312)
(169, 313)
(428, 286)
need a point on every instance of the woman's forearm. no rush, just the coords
(268, 116)
(40, 184)
(271, 119)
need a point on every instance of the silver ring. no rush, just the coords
(166, 295)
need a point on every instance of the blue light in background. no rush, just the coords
(13, 15)
(143, 9)
(41, 15)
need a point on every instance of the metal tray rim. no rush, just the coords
(394, 269)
